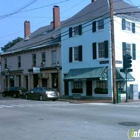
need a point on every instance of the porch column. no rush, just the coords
(70, 88)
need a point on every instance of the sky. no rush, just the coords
(13, 13)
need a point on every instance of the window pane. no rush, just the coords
(76, 30)
(43, 57)
(128, 25)
(101, 50)
(54, 57)
(76, 53)
(100, 24)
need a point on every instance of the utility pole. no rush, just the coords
(113, 53)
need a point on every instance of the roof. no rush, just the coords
(101, 8)
(47, 35)
(99, 73)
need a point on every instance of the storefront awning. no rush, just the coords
(99, 73)
(87, 73)
(120, 76)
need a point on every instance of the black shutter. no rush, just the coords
(94, 26)
(80, 29)
(124, 48)
(94, 50)
(70, 54)
(106, 48)
(133, 27)
(70, 32)
(134, 51)
(123, 24)
(80, 53)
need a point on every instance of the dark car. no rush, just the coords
(42, 93)
(14, 91)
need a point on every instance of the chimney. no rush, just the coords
(93, 0)
(26, 28)
(56, 17)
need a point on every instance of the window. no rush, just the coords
(77, 84)
(100, 24)
(19, 80)
(34, 59)
(43, 57)
(75, 54)
(100, 50)
(5, 63)
(127, 25)
(54, 57)
(19, 61)
(74, 31)
(101, 84)
(130, 49)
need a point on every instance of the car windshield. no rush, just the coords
(49, 89)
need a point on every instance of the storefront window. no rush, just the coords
(77, 85)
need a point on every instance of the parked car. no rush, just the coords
(14, 91)
(42, 93)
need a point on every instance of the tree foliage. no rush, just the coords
(11, 43)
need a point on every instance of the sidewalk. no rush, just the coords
(81, 101)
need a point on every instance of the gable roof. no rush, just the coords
(101, 8)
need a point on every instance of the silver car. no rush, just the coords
(42, 93)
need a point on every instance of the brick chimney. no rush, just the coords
(26, 28)
(93, 0)
(56, 17)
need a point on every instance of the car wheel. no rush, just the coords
(53, 99)
(3, 94)
(41, 98)
(14, 95)
(26, 96)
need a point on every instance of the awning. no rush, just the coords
(87, 73)
(120, 76)
(99, 73)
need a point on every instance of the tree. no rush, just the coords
(11, 43)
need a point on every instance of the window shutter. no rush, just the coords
(70, 32)
(133, 27)
(106, 48)
(94, 26)
(124, 47)
(123, 24)
(80, 29)
(94, 50)
(80, 53)
(70, 54)
(134, 51)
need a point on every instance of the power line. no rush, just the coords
(7, 15)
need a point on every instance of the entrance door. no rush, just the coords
(89, 88)
(35, 80)
(66, 88)
(11, 83)
(44, 82)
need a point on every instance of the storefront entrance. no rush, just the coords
(89, 88)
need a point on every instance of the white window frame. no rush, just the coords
(101, 52)
(54, 57)
(75, 30)
(128, 26)
(100, 25)
(128, 48)
(75, 54)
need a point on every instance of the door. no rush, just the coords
(66, 88)
(35, 80)
(89, 88)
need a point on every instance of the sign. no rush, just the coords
(11, 77)
(36, 70)
(104, 62)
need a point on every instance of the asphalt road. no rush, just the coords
(48, 120)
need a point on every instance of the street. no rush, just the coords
(22, 119)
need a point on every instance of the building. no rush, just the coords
(87, 51)
(36, 60)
